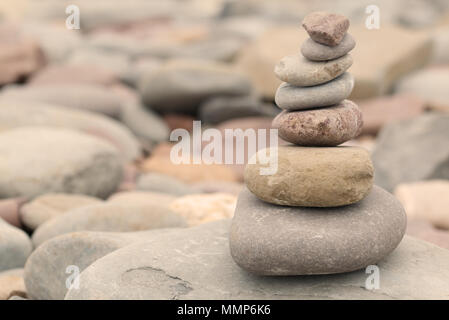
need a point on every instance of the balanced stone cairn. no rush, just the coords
(319, 213)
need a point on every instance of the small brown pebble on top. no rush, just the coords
(326, 28)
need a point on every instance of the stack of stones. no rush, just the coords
(319, 213)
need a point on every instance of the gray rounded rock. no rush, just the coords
(318, 52)
(15, 246)
(323, 127)
(39, 160)
(299, 71)
(270, 240)
(289, 97)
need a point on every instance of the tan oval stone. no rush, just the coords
(299, 71)
(51, 205)
(312, 177)
(325, 127)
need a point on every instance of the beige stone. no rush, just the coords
(426, 200)
(312, 177)
(51, 205)
(202, 208)
(299, 71)
(11, 281)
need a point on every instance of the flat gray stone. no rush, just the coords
(39, 160)
(299, 71)
(45, 270)
(114, 217)
(323, 127)
(412, 150)
(195, 263)
(15, 246)
(315, 240)
(182, 85)
(289, 97)
(319, 52)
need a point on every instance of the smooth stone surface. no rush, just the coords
(85, 97)
(378, 112)
(430, 85)
(298, 71)
(195, 263)
(73, 74)
(15, 246)
(319, 52)
(163, 183)
(115, 217)
(289, 97)
(412, 150)
(326, 28)
(312, 177)
(202, 208)
(49, 206)
(58, 164)
(144, 123)
(219, 109)
(324, 127)
(45, 270)
(11, 281)
(18, 114)
(182, 85)
(315, 241)
(426, 200)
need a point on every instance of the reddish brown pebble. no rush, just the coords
(326, 28)
(325, 127)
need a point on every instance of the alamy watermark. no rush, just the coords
(73, 20)
(211, 147)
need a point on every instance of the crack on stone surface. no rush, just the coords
(149, 277)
